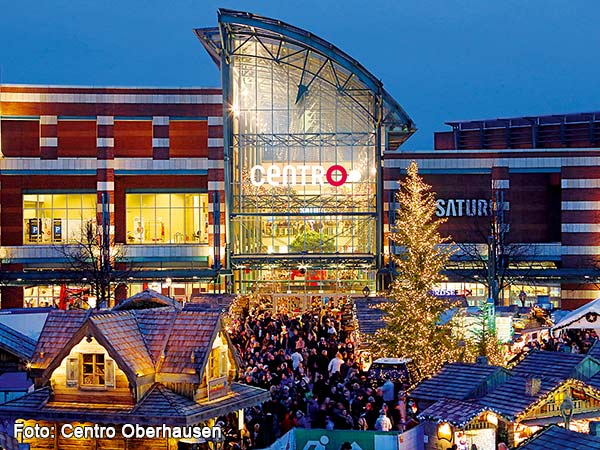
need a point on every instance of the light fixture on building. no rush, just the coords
(444, 431)
(492, 419)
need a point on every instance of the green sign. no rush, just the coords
(332, 440)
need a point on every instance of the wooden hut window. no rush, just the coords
(92, 369)
(218, 362)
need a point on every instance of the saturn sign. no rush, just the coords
(302, 175)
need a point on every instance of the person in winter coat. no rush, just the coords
(383, 423)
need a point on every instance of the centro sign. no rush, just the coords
(302, 175)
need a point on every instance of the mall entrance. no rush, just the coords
(306, 282)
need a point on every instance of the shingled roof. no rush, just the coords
(165, 404)
(154, 327)
(594, 381)
(511, 398)
(163, 340)
(558, 438)
(146, 299)
(29, 402)
(557, 364)
(123, 333)
(594, 350)
(58, 329)
(16, 343)
(460, 381)
(158, 406)
(455, 412)
(187, 348)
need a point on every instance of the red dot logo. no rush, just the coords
(343, 175)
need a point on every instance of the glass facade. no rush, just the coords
(304, 178)
(51, 218)
(167, 218)
(305, 126)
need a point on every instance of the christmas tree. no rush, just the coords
(416, 320)
(485, 337)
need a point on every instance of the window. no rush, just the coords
(167, 218)
(56, 218)
(218, 366)
(92, 370)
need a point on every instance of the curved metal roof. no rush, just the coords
(229, 20)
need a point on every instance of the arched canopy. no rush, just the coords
(332, 65)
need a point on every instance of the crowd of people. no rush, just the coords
(569, 341)
(309, 363)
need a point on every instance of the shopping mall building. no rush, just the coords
(282, 180)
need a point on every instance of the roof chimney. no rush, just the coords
(532, 386)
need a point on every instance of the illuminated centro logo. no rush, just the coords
(335, 175)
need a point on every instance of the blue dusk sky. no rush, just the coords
(442, 60)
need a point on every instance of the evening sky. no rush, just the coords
(442, 60)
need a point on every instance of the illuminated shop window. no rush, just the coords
(56, 218)
(41, 296)
(167, 218)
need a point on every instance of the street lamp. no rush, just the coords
(366, 291)
(566, 410)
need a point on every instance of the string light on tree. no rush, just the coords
(413, 316)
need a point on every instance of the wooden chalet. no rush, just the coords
(458, 381)
(558, 438)
(164, 365)
(464, 402)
